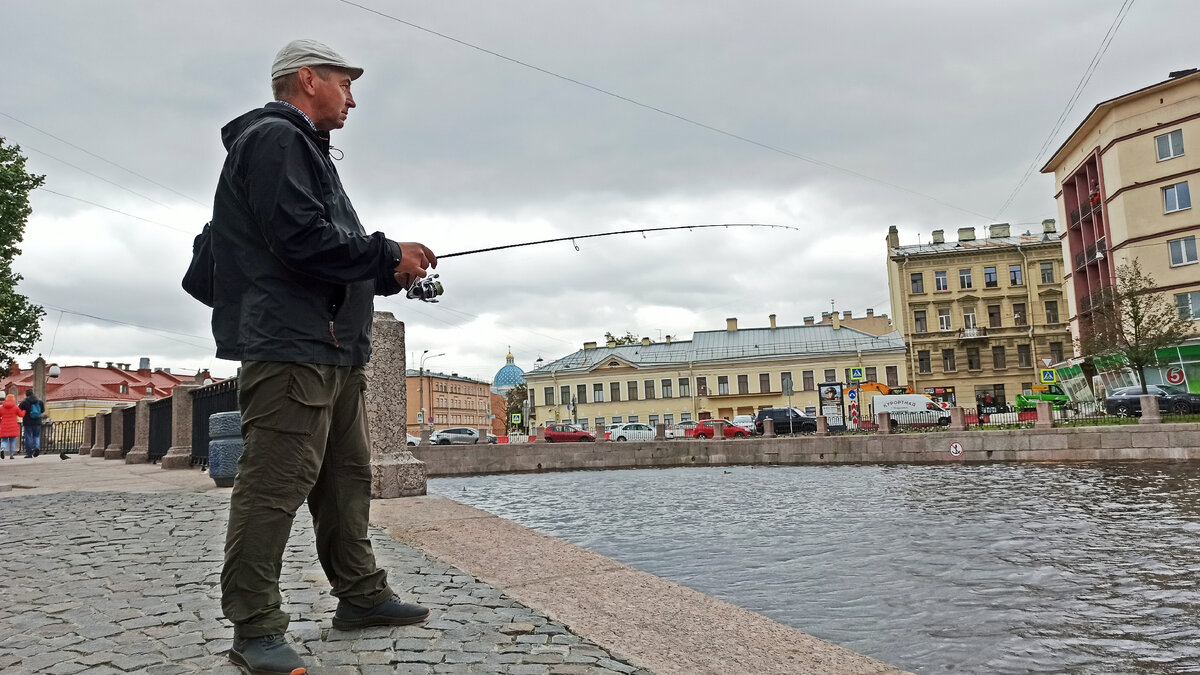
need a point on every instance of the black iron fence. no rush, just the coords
(215, 398)
(104, 430)
(128, 428)
(62, 437)
(920, 422)
(160, 428)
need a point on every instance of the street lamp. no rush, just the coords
(421, 382)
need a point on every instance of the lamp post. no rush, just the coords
(421, 383)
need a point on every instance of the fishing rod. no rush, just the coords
(429, 288)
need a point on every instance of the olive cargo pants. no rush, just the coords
(305, 437)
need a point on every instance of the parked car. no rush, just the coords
(681, 429)
(492, 439)
(745, 421)
(708, 429)
(413, 440)
(1127, 400)
(455, 436)
(568, 433)
(630, 431)
(787, 421)
(910, 409)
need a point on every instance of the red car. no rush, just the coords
(568, 433)
(705, 429)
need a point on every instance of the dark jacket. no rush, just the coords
(294, 271)
(27, 406)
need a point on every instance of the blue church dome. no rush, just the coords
(508, 376)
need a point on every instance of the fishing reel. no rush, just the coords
(426, 290)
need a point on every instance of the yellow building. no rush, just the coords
(980, 316)
(1122, 183)
(716, 374)
(446, 401)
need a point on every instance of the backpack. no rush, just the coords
(198, 280)
(35, 411)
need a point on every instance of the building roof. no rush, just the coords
(509, 375)
(729, 345)
(442, 376)
(93, 383)
(975, 245)
(1104, 107)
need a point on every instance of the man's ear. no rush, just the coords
(307, 80)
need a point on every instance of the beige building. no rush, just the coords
(980, 316)
(716, 374)
(447, 401)
(1122, 183)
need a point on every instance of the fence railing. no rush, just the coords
(62, 437)
(988, 418)
(215, 398)
(160, 428)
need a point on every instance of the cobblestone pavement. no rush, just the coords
(99, 582)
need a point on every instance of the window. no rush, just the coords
(702, 386)
(669, 419)
(943, 319)
(685, 417)
(809, 381)
(918, 282)
(764, 382)
(989, 277)
(964, 279)
(633, 419)
(923, 361)
(1047, 273)
(1024, 357)
(999, 361)
(1183, 251)
(969, 318)
(1169, 145)
(614, 388)
(948, 360)
(583, 423)
(722, 385)
(616, 419)
(548, 396)
(1188, 304)
(648, 389)
(743, 384)
(973, 362)
(1051, 311)
(893, 376)
(919, 321)
(846, 374)
(1056, 352)
(631, 387)
(685, 387)
(598, 393)
(1176, 198)
(994, 316)
(565, 392)
(872, 374)
(830, 375)
(666, 388)
(940, 282)
(653, 420)
(1014, 275)
(1019, 316)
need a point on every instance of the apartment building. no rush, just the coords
(446, 401)
(979, 316)
(1123, 186)
(716, 374)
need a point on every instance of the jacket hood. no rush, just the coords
(231, 131)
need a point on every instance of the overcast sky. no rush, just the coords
(948, 101)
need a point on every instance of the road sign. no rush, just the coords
(787, 386)
(1048, 376)
(956, 449)
(1175, 376)
(857, 374)
(1046, 360)
(852, 394)
(420, 417)
(516, 418)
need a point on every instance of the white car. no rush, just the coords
(413, 440)
(455, 436)
(631, 431)
(681, 429)
(744, 421)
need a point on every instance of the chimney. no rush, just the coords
(645, 342)
(847, 314)
(1048, 226)
(611, 344)
(144, 363)
(668, 339)
(893, 238)
(731, 324)
(95, 364)
(108, 364)
(167, 370)
(998, 230)
(966, 234)
(870, 312)
(939, 236)
(824, 315)
(837, 322)
(808, 320)
(589, 345)
(772, 318)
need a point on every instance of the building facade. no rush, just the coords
(716, 374)
(1123, 187)
(80, 391)
(445, 401)
(980, 316)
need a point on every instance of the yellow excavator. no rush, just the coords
(879, 388)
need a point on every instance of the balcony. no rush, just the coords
(1082, 213)
(977, 333)
(1091, 254)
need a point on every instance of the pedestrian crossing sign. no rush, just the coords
(516, 418)
(1049, 376)
(857, 375)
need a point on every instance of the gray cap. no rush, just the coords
(299, 53)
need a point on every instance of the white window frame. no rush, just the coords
(1191, 302)
(965, 279)
(941, 282)
(1171, 149)
(945, 322)
(1180, 246)
(969, 319)
(1174, 190)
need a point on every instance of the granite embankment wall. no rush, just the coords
(1170, 441)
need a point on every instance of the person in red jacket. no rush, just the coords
(9, 429)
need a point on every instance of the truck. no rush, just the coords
(1028, 399)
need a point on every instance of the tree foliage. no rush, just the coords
(514, 404)
(627, 339)
(19, 319)
(1133, 319)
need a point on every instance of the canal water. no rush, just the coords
(1082, 568)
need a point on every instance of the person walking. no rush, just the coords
(10, 412)
(294, 275)
(34, 408)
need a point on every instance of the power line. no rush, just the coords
(1075, 95)
(661, 111)
(133, 325)
(106, 208)
(26, 146)
(102, 159)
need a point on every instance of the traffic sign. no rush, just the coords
(1048, 376)
(852, 394)
(420, 417)
(857, 375)
(956, 449)
(1175, 376)
(787, 386)
(1046, 361)
(516, 418)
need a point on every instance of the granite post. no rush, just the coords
(394, 471)
(140, 452)
(660, 432)
(884, 420)
(1150, 410)
(116, 434)
(102, 430)
(822, 426)
(89, 435)
(719, 430)
(958, 419)
(1045, 415)
(768, 427)
(179, 455)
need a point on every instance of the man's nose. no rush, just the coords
(350, 101)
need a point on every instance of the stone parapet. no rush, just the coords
(179, 455)
(1150, 410)
(394, 470)
(140, 452)
(958, 419)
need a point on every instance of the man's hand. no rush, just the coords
(414, 260)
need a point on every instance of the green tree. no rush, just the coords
(19, 319)
(628, 339)
(514, 404)
(1133, 320)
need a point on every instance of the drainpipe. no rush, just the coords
(912, 352)
(1030, 306)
